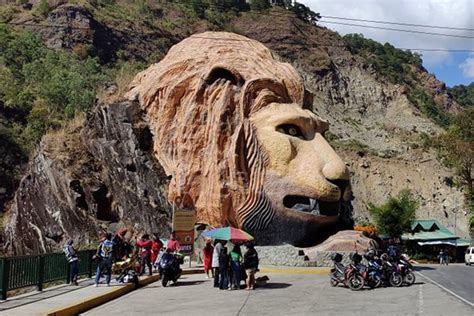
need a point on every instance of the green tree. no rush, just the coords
(305, 13)
(464, 95)
(395, 216)
(456, 150)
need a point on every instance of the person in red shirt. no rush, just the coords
(173, 244)
(145, 244)
(155, 248)
(207, 255)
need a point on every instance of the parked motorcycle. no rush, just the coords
(169, 268)
(374, 272)
(406, 270)
(355, 274)
(390, 272)
(347, 275)
(338, 271)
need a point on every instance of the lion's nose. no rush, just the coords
(334, 169)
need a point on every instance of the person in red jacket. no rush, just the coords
(207, 255)
(156, 246)
(173, 244)
(145, 244)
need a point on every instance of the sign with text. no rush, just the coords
(184, 220)
(183, 225)
(186, 241)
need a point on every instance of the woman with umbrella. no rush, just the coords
(226, 234)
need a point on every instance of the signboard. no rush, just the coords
(183, 220)
(183, 226)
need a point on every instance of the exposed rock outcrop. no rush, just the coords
(85, 178)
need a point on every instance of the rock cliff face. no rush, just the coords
(96, 175)
(104, 173)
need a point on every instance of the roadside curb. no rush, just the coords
(91, 302)
(88, 303)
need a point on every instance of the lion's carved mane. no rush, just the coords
(198, 100)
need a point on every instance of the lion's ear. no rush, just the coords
(224, 73)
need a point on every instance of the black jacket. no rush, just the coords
(251, 259)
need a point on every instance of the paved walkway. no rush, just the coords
(284, 294)
(39, 303)
(54, 298)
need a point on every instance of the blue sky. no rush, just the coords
(450, 67)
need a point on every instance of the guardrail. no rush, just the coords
(26, 271)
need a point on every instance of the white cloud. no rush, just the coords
(453, 13)
(468, 66)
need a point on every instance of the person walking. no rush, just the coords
(235, 260)
(73, 260)
(215, 261)
(250, 265)
(207, 255)
(224, 269)
(104, 254)
(145, 244)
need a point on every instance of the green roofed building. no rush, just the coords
(430, 236)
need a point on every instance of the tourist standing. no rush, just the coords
(207, 252)
(215, 261)
(73, 260)
(250, 265)
(104, 254)
(224, 269)
(235, 259)
(145, 245)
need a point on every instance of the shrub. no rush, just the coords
(395, 216)
(45, 86)
(426, 104)
(43, 8)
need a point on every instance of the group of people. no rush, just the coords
(115, 248)
(224, 262)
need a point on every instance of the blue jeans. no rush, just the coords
(224, 279)
(74, 270)
(236, 273)
(105, 266)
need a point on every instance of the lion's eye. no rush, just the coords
(290, 129)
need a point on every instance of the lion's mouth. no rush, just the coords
(312, 206)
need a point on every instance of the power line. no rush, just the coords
(345, 46)
(399, 30)
(398, 23)
(212, 38)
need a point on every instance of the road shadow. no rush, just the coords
(274, 285)
(422, 268)
(178, 284)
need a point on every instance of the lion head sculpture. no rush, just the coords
(232, 130)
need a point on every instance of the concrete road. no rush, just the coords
(285, 294)
(456, 278)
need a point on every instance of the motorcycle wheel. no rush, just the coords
(333, 282)
(356, 282)
(164, 281)
(396, 279)
(410, 278)
(375, 281)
